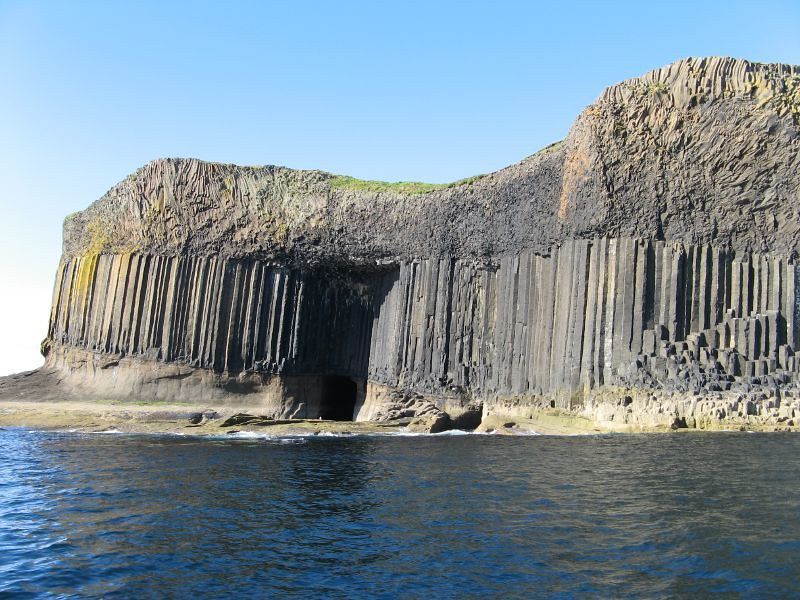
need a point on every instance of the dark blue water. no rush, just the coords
(444, 516)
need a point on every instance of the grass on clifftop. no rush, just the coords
(396, 187)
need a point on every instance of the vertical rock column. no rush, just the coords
(210, 312)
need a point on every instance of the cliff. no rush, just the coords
(640, 273)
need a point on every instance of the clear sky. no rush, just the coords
(425, 91)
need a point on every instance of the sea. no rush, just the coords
(682, 515)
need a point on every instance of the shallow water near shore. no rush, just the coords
(383, 516)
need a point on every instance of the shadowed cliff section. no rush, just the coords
(640, 274)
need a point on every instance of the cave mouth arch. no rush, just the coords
(338, 400)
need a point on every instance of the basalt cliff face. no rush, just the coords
(641, 273)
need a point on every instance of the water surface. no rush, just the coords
(438, 516)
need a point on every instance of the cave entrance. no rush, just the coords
(338, 402)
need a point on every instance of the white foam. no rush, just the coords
(256, 435)
(303, 437)
(293, 437)
(244, 435)
(449, 433)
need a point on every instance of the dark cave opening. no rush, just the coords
(338, 402)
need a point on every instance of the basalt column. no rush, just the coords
(228, 317)
(581, 318)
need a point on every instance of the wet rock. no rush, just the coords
(245, 419)
(679, 423)
(431, 423)
(203, 417)
(469, 419)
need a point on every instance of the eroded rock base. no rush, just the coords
(76, 386)
(637, 410)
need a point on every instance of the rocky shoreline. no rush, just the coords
(97, 417)
(24, 402)
(640, 276)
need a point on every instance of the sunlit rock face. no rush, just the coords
(640, 273)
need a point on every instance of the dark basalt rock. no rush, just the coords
(650, 256)
(244, 419)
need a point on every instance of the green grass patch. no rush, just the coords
(408, 188)
(547, 149)
(657, 87)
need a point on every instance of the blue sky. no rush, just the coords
(427, 91)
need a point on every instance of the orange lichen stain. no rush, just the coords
(576, 168)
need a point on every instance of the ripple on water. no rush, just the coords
(363, 516)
